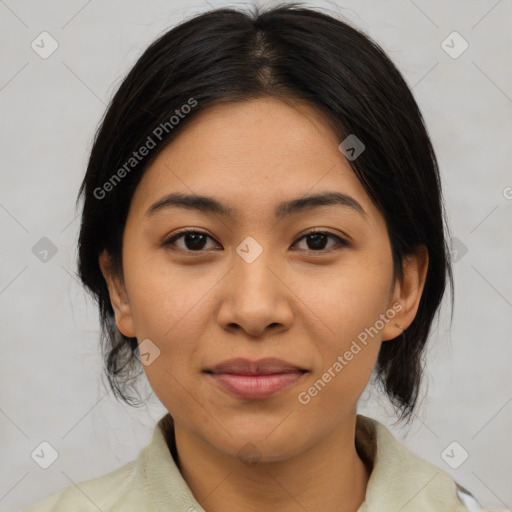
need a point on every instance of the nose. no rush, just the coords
(256, 297)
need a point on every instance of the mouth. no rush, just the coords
(255, 379)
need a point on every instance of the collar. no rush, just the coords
(399, 480)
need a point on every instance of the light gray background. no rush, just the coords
(50, 369)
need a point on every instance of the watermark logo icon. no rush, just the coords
(454, 45)
(44, 455)
(457, 249)
(249, 454)
(249, 249)
(44, 250)
(351, 147)
(454, 455)
(147, 352)
(44, 45)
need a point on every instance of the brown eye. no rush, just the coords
(316, 241)
(193, 241)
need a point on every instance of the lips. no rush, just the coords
(267, 366)
(247, 379)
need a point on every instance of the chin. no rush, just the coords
(259, 444)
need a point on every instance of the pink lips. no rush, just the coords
(255, 379)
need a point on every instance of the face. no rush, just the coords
(298, 283)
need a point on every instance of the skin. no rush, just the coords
(304, 305)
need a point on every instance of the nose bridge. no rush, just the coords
(252, 264)
(255, 297)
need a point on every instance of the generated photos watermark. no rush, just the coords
(163, 129)
(304, 397)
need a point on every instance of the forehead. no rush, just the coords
(252, 155)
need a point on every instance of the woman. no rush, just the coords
(263, 230)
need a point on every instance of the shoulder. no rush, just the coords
(151, 482)
(100, 493)
(401, 480)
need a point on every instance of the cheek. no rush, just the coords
(174, 322)
(347, 300)
(165, 299)
(171, 311)
(348, 355)
(348, 321)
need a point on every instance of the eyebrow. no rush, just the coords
(284, 209)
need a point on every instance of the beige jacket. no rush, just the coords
(400, 481)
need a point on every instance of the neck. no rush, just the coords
(329, 475)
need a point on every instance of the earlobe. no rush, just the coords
(407, 293)
(118, 297)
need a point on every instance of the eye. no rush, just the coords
(195, 241)
(317, 239)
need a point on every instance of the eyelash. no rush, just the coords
(341, 242)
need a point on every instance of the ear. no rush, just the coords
(118, 297)
(407, 293)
